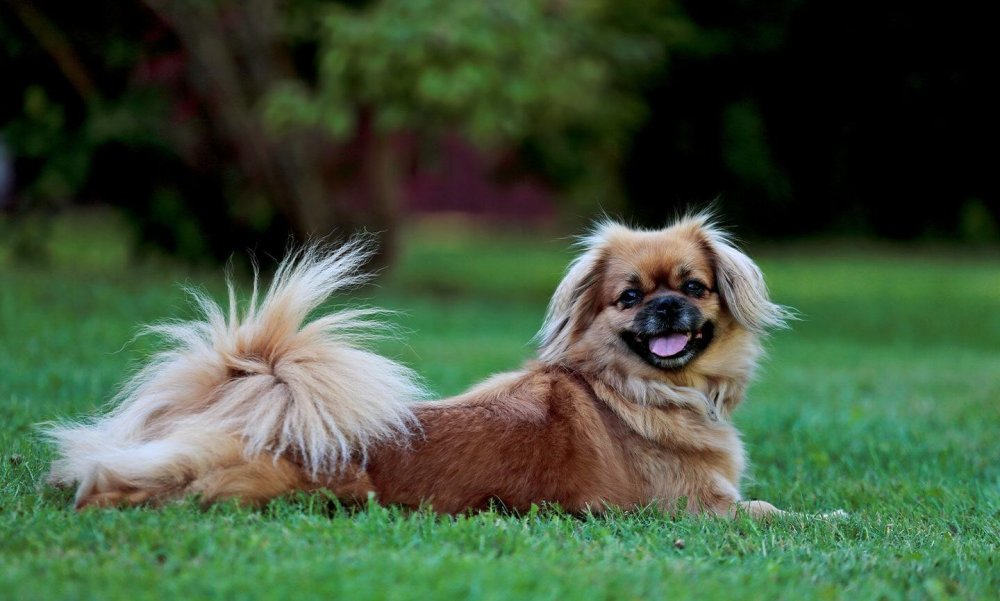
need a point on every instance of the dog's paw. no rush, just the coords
(113, 499)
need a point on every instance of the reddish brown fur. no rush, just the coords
(546, 435)
(587, 426)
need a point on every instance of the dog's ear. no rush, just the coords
(741, 283)
(575, 301)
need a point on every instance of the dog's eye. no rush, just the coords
(630, 297)
(694, 288)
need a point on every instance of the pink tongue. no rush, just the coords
(667, 346)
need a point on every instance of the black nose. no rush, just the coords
(667, 307)
(668, 312)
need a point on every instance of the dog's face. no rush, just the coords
(659, 300)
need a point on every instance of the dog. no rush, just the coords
(647, 346)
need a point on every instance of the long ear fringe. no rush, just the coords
(741, 282)
(555, 335)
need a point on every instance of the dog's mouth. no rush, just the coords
(670, 349)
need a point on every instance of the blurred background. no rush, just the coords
(207, 127)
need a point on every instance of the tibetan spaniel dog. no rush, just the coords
(647, 346)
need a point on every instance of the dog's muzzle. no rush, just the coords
(669, 332)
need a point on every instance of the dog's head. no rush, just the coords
(658, 301)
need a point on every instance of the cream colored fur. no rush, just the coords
(234, 386)
(741, 286)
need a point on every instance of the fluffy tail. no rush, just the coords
(264, 382)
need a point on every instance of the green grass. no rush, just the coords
(882, 401)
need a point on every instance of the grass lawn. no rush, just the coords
(883, 401)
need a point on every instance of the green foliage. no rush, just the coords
(63, 153)
(747, 154)
(68, 96)
(867, 405)
(488, 69)
(562, 77)
(41, 134)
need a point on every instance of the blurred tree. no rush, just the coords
(561, 78)
(219, 124)
(66, 103)
(236, 53)
(272, 105)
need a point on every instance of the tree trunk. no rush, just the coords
(382, 188)
(236, 57)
